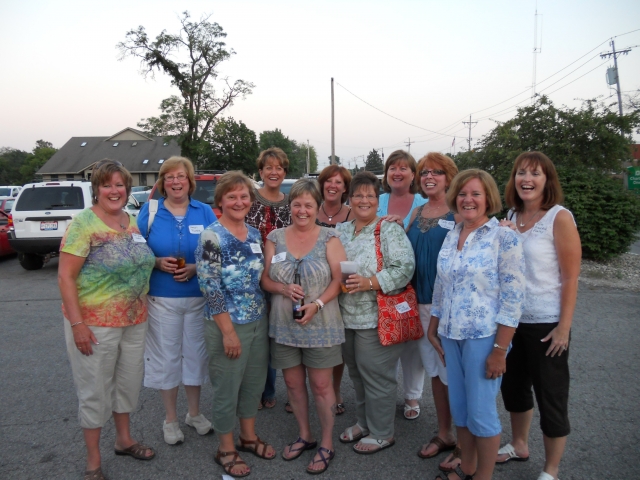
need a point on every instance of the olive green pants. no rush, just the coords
(237, 383)
(372, 368)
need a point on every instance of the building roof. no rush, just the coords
(129, 146)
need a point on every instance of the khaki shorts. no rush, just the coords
(285, 356)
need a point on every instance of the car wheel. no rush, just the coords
(30, 261)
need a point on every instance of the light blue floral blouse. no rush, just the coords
(481, 286)
(229, 274)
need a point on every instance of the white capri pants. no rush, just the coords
(430, 358)
(109, 380)
(175, 350)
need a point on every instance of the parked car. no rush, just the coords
(9, 191)
(7, 204)
(40, 217)
(135, 202)
(140, 188)
(5, 247)
(286, 185)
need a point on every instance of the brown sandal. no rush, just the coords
(136, 451)
(441, 447)
(457, 455)
(251, 446)
(94, 474)
(227, 466)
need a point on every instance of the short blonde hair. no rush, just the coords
(172, 163)
(276, 153)
(442, 161)
(230, 181)
(305, 185)
(102, 172)
(494, 204)
(400, 156)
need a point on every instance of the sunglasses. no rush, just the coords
(435, 173)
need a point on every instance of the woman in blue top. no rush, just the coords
(175, 350)
(230, 263)
(428, 227)
(402, 198)
(477, 302)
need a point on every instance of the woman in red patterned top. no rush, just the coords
(270, 211)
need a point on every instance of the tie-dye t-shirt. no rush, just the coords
(114, 279)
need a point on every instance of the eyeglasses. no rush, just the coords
(170, 178)
(435, 173)
(359, 197)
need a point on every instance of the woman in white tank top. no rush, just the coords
(540, 347)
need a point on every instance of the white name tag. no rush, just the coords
(138, 238)
(403, 307)
(446, 252)
(448, 224)
(279, 257)
(196, 229)
(255, 248)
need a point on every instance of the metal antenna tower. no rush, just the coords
(536, 50)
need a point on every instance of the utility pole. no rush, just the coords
(470, 123)
(408, 144)
(615, 54)
(536, 49)
(333, 129)
(308, 164)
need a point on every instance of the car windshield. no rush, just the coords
(8, 205)
(5, 192)
(205, 190)
(50, 198)
(141, 197)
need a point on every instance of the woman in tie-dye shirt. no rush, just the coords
(104, 271)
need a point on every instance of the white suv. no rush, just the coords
(40, 217)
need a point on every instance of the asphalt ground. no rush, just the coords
(40, 437)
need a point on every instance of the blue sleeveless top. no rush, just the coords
(427, 236)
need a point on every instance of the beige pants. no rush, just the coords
(110, 379)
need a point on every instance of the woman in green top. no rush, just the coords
(372, 367)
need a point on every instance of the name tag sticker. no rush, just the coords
(138, 238)
(196, 229)
(403, 307)
(448, 224)
(255, 248)
(279, 257)
(446, 252)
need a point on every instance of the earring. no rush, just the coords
(412, 183)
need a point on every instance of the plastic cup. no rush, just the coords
(347, 268)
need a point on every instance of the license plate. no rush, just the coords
(48, 226)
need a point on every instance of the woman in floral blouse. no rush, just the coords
(477, 303)
(229, 265)
(372, 367)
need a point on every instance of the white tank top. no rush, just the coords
(543, 282)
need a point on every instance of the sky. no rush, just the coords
(428, 63)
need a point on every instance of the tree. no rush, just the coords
(10, 162)
(586, 137)
(231, 145)
(41, 153)
(374, 163)
(300, 159)
(191, 58)
(337, 159)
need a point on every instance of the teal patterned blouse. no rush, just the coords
(229, 274)
(360, 310)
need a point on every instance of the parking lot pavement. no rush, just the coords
(41, 437)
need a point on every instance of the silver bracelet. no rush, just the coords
(77, 323)
(370, 284)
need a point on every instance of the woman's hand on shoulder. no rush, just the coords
(393, 219)
(507, 223)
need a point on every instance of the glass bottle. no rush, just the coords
(297, 313)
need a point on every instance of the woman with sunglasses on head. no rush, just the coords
(540, 354)
(428, 227)
(175, 351)
(270, 210)
(103, 276)
(403, 196)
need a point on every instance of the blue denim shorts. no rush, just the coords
(472, 397)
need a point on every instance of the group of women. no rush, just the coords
(495, 299)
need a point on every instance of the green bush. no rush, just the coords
(606, 214)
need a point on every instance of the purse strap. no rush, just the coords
(376, 235)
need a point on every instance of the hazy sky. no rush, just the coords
(429, 63)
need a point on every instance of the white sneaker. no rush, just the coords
(172, 433)
(200, 423)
